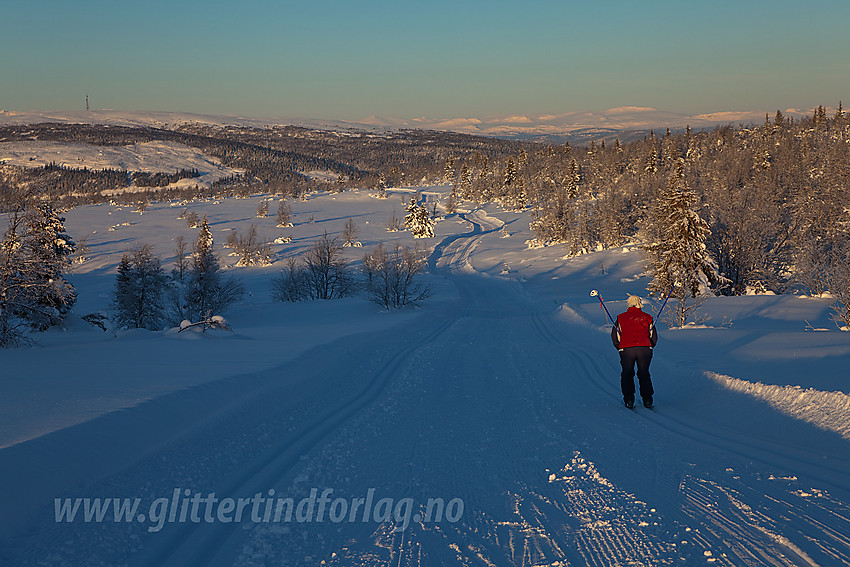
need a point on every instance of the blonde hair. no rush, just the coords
(635, 301)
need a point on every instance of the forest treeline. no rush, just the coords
(776, 197)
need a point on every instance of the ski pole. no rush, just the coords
(663, 305)
(594, 293)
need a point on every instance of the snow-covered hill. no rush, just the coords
(580, 126)
(148, 157)
(497, 402)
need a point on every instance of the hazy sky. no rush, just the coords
(437, 58)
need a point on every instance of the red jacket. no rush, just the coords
(634, 328)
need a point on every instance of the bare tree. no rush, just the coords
(289, 284)
(327, 274)
(349, 233)
(394, 224)
(232, 241)
(839, 279)
(284, 214)
(392, 276)
(181, 258)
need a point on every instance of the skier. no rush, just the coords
(634, 335)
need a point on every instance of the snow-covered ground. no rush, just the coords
(495, 403)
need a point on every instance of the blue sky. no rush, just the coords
(349, 59)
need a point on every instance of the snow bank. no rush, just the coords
(827, 410)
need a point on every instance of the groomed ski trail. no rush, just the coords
(495, 402)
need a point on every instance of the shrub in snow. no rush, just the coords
(140, 286)
(34, 254)
(192, 219)
(392, 276)
(381, 187)
(80, 255)
(251, 249)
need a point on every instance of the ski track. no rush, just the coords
(532, 437)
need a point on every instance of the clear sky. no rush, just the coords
(341, 59)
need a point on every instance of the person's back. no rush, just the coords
(635, 328)
(634, 336)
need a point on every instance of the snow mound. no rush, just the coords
(827, 410)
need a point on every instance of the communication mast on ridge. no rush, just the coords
(87, 102)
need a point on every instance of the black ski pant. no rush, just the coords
(628, 357)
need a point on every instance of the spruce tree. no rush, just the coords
(34, 255)
(207, 292)
(418, 221)
(140, 290)
(49, 249)
(676, 246)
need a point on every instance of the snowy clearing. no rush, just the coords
(496, 402)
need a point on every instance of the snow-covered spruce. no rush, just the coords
(676, 249)
(34, 254)
(418, 220)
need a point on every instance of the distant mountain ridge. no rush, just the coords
(625, 123)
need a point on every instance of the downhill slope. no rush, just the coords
(500, 398)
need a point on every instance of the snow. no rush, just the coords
(827, 410)
(501, 390)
